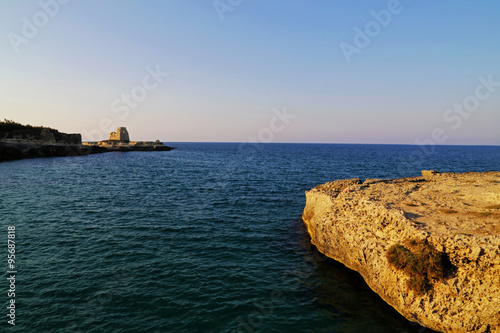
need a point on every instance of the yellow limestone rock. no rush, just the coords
(457, 215)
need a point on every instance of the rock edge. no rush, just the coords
(357, 230)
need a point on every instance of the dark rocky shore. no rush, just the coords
(23, 141)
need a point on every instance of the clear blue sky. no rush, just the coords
(230, 67)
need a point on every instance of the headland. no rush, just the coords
(120, 141)
(19, 141)
(429, 246)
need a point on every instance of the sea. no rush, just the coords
(204, 238)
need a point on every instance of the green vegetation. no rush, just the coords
(9, 125)
(421, 262)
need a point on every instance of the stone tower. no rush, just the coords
(121, 134)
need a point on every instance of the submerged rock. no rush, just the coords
(429, 246)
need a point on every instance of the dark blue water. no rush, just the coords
(206, 238)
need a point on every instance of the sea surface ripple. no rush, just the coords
(206, 238)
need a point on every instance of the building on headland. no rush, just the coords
(121, 134)
(120, 141)
(19, 141)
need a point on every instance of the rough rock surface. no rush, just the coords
(357, 222)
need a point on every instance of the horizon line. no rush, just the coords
(331, 143)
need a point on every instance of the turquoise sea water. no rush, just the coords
(206, 238)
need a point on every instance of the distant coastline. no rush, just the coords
(18, 141)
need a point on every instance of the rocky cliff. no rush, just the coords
(40, 135)
(21, 150)
(19, 141)
(23, 141)
(429, 246)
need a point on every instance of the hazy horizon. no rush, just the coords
(384, 72)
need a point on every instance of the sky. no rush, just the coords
(309, 71)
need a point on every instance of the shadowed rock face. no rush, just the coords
(36, 142)
(40, 136)
(22, 150)
(455, 215)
